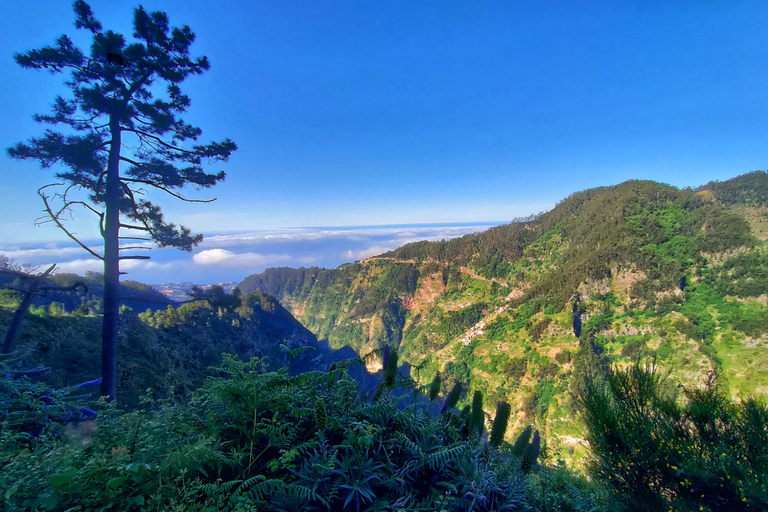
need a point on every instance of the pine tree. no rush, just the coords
(116, 141)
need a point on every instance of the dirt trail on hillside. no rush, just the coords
(393, 260)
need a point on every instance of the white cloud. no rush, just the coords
(149, 265)
(39, 253)
(229, 255)
(410, 233)
(80, 266)
(223, 257)
(365, 253)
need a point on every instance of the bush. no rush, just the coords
(563, 356)
(658, 454)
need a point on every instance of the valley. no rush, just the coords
(524, 312)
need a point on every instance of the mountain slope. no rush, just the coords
(525, 311)
(167, 350)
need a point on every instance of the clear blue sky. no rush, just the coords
(359, 113)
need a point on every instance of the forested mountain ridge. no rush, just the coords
(168, 350)
(525, 311)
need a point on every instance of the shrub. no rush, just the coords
(655, 453)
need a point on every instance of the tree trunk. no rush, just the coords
(111, 267)
(18, 316)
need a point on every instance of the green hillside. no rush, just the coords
(166, 350)
(526, 311)
(545, 324)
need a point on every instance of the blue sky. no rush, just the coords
(403, 113)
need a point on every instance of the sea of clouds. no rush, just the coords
(234, 255)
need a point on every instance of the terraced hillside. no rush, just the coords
(525, 311)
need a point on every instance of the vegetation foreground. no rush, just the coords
(255, 438)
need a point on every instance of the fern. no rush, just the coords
(197, 457)
(267, 490)
(443, 457)
(411, 447)
(380, 413)
(581, 501)
(263, 490)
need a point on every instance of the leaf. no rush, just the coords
(59, 480)
(116, 482)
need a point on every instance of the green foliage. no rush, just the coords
(457, 322)
(664, 351)
(635, 349)
(725, 230)
(499, 329)
(545, 392)
(656, 453)
(257, 439)
(597, 323)
(589, 364)
(523, 439)
(537, 329)
(390, 359)
(563, 356)
(527, 448)
(167, 350)
(748, 189)
(751, 319)
(513, 368)
(743, 275)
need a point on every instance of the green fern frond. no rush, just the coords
(263, 490)
(411, 447)
(197, 457)
(307, 378)
(445, 456)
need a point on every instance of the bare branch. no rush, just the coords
(85, 205)
(131, 226)
(134, 248)
(58, 223)
(134, 257)
(17, 273)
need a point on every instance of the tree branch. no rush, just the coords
(131, 226)
(58, 223)
(166, 190)
(71, 288)
(160, 141)
(134, 248)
